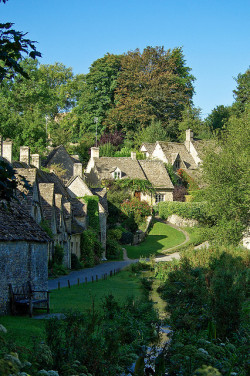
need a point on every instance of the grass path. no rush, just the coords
(160, 240)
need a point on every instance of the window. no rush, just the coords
(117, 174)
(159, 197)
(177, 164)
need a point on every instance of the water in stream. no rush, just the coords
(151, 362)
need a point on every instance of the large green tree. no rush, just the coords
(227, 177)
(154, 85)
(25, 104)
(96, 93)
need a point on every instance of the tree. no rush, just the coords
(191, 119)
(13, 45)
(242, 92)
(154, 132)
(25, 104)
(227, 177)
(97, 92)
(218, 118)
(154, 85)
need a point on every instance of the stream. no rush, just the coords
(151, 362)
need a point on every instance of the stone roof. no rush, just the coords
(149, 147)
(156, 173)
(130, 168)
(170, 149)
(17, 225)
(60, 156)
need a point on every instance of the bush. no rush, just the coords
(190, 210)
(113, 249)
(75, 262)
(58, 255)
(91, 249)
(179, 193)
(127, 237)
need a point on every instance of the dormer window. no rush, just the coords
(117, 174)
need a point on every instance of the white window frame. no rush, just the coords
(159, 197)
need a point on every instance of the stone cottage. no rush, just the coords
(111, 168)
(24, 250)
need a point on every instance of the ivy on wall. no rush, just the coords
(140, 185)
(93, 212)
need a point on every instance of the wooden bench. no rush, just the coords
(25, 296)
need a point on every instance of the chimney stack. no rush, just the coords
(189, 138)
(133, 155)
(25, 154)
(95, 152)
(36, 160)
(77, 169)
(7, 150)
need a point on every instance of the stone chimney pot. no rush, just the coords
(95, 153)
(25, 154)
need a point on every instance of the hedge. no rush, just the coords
(189, 210)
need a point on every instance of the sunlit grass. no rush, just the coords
(24, 330)
(161, 237)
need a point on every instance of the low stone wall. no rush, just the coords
(182, 222)
(140, 235)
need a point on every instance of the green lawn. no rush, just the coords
(23, 329)
(161, 237)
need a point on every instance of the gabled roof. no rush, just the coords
(172, 148)
(17, 225)
(60, 156)
(149, 147)
(156, 173)
(130, 168)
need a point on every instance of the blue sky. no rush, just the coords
(214, 34)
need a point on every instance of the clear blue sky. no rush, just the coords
(214, 34)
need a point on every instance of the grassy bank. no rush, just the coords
(161, 237)
(80, 298)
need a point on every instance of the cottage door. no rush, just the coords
(138, 195)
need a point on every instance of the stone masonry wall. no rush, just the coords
(21, 262)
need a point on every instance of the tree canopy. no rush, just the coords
(154, 85)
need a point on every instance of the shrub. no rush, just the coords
(179, 193)
(58, 255)
(113, 249)
(190, 210)
(75, 262)
(127, 237)
(91, 249)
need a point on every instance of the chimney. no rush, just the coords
(77, 169)
(95, 152)
(189, 135)
(36, 160)
(7, 150)
(189, 138)
(25, 154)
(133, 155)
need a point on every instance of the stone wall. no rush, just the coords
(182, 222)
(21, 262)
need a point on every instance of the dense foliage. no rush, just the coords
(226, 173)
(206, 294)
(102, 342)
(189, 210)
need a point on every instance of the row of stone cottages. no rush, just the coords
(56, 201)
